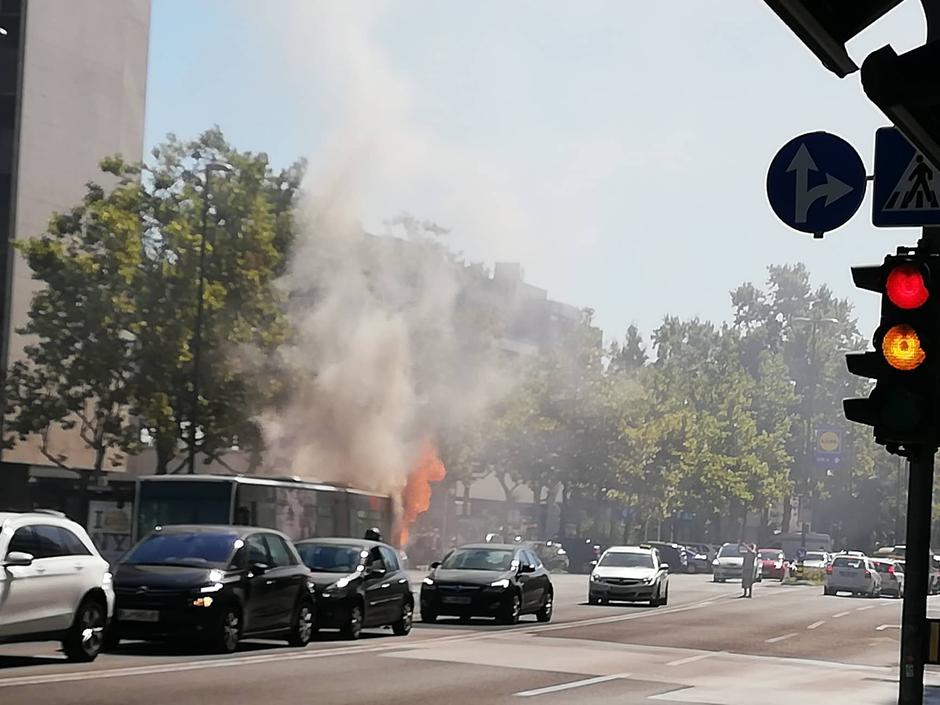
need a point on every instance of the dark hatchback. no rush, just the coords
(488, 580)
(360, 584)
(215, 584)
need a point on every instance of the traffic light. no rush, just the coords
(826, 25)
(906, 360)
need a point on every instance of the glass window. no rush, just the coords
(729, 551)
(479, 559)
(853, 563)
(164, 503)
(72, 544)
(48, 542)
(366, 512)
(195, 549)
(257, 550)
(24, 541)
(390, 557)
(375, 561)
(627, 560)
(330, 558)
(279, 550)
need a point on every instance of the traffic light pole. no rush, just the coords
(916, 578)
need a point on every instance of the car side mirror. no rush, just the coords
(259, 568)
(375, 573)
(527, 568)
(18, 558)
(664, 566)
(435, 565)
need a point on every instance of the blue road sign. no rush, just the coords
(801, 554)
(816, 182)
(907, 186)
(828, 446)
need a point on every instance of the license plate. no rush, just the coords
(848, 573)
(457, 600)
(139, 615)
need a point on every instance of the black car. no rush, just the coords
(360, 583)
(215, 584)
(672, 554)
(503, 581)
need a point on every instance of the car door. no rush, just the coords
(260, 608)
(538, 580)
(53, 578)
(400, 589)
(77, 560)
(284, 580)
(21, 593)
(378, 590)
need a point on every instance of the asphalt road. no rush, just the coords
(786, 645)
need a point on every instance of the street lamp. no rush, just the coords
(200, 290)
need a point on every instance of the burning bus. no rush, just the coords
(297, 508)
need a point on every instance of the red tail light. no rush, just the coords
(867, 573)
(891, 570)
(828, 570)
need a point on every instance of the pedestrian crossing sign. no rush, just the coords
(907, 186)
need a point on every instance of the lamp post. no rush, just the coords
(814, 324)
(200, 291)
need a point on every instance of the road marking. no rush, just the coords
(775, 639)
(840, 614)
(887, 626)
(815, 625)
(693, 659)
(862, 609)
(569, 686)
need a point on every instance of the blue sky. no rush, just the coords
(617, 149)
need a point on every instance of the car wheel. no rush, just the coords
(304, 627)
(513, 610)
(352, 628)
(545, 611)
(229, 631)
(403, 626)
(85, 637)
(665, 598)
(827, 591)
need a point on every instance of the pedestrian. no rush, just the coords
(748, 558)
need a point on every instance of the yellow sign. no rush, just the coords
(829, 442)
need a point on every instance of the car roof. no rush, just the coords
(48, 517)
(628, 549)
(496, 546)
(240, 531)
(343, 541)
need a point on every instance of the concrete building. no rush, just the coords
(73, 77)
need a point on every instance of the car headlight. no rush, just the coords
(203, 601)
(595, 577)
(504, 583)
(340, 584)
(107, 580)
(429, 581)
(715, 562)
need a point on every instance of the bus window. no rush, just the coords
(256, 505)
(366, 512)
(164, 503)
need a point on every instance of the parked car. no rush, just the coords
(629, 574)
(504, 581)
(728, 564)
(214, 584)
(774, 563)
(892, 576)
(54, 585)
(812, 566)
(360, 584)
(699, 557)
(854, 574)
(672, 554)
(552, 554)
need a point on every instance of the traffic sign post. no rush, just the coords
(816, 183)
(907, 186)
(828, 446)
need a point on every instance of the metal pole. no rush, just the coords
(917, 562)
(897, 505)
(197, 329)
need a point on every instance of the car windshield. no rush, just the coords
(730, 551)
(627, 560)
(815, 557)
(852, 563)
(769, 555)
(330, 558)
(197, 549)
(479, 559)
(882, 567)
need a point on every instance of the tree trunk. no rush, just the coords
(785, 521)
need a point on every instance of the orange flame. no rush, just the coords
(416, 497)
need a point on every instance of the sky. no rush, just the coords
(617, 149)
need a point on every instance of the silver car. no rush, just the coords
(629, 574)
(854, 574)
(892, 576)
(728, 564)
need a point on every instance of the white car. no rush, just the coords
(54, 585)
(629, 574)
(728, 564)
(854, 574)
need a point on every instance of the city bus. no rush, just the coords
(297, 508)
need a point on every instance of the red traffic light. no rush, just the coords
(906, 287)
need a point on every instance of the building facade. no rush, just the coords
(73, 77)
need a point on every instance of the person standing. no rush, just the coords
(748, 562)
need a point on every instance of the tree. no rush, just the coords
(114, 321)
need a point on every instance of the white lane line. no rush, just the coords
(816, 625)
(693, 659)
(569, 686)
(840, 614)
(862, 609)
(775, 639)
(887, 626)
